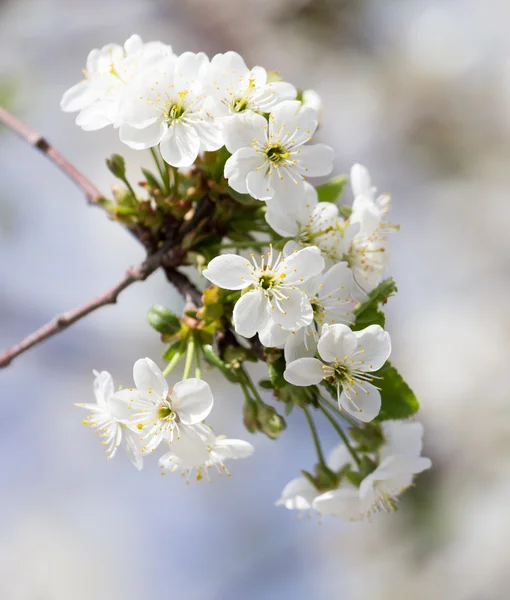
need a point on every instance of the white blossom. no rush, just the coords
(309, 222)
(333, 296)
(219, 449)
(399, 460)
(101, 418)
(159, 413)
(168, 106)
(270, 159)
(236, 89)
(110, 71)
(348, 359)
(365, 237)
(271, 287)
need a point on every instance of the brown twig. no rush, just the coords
(38, 141)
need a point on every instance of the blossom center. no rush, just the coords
(177, 109)
(267, 281)
(165, 413)
(276, 153)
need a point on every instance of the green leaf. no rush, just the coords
(398, 400)
(332, 189)
(276, 370)
(367, 312)
(163, 320)
(345, 211)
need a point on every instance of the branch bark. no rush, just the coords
(38, 141)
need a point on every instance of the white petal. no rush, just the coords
(336, 342)
(189, 65)
(131, 444)
(251, 313)
(97, 115)
(189, 449)
(343, 503)
(288, 188)
(258, 184)
(244, 130)
(300, 344)
(192, 400)
(375, 345)
(283, 223)
(291, 116)
(180, 145)
(298, 494)
(294, 312)
(133, 44)
(360, 181)
(210, 135)
(316, 159)
(339, 457)
(304, 371)
(365, 405)
(231, 448)
(103, 387)
(401, 437)
(302, 265)
(273, 335)
(148, 378)
(141, 139)
(229, 271)
(283, 91)
(78, 97)
(239, 165)
(338, 280)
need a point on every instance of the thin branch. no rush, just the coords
(38, 141)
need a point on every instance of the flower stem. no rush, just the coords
(249, 383)
(342, 435)
(198, 367)
(315, 436)
(163, 171)
(174, 360)
(189, 357)
(341, 413)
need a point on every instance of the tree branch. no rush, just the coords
(38, 141)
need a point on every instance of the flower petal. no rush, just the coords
(298, 494)
(294, 312)
(343, 503)
(192, 400)
(375, 346)
(231, 448)
(365, 402)
(229, 271)
(300, 344)
(251, 313)
(336, 342)
(78, 97)
(141, 139)
(258, 184)
(180, 145)
(148, 378)
(360, 181)
(304, 371)
(238, 167)
(273, 335)
(301, 265)
(131, 444)
(401, 437)
(103, 387)
(339, 457)
(97, 115)
(245, 130)
(316, 159)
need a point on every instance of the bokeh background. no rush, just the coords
(417, 90)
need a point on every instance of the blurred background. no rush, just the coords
(419, 92)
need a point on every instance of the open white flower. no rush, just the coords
(109, 72)
(158, 413)
(236, 89)
(271, 160)
(349, 358)
(101, 419)
(309, 222)
(333, 296)
(167, 106)
(271, 287)
(365, 237)
(399, 460)
(218, 449)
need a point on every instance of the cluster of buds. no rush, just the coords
(297, 277)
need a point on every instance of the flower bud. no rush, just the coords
(117, 165)
(163, 320)
(270, 422)
(250, 413)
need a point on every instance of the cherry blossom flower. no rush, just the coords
(158, 413)
(271, 287)
(348, 358)
(167, 106)
(271, 160)
(109, 73)
(101, 419)
(309, 222)
(236, 89)
(218, 450)
(333, 296)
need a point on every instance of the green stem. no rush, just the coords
(251, 385)
(163, 171)
(341, 413)
(170, 366)
(189, 357)
(131, 190)
(342, 434)
(198, 368)
(315, 436)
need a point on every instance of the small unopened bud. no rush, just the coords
(163, 320)
(117, 165)
(270, 422)
(250, 416)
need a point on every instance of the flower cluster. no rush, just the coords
(143, 417)
(297, 278)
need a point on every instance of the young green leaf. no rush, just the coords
(398, 400)
(332, 189)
